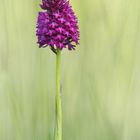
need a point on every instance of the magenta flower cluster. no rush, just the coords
(57, 26)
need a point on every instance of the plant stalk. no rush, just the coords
(58, 131)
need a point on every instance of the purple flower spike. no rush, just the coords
(57, 26)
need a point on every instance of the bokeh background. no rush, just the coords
(100, 80)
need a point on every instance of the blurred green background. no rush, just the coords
(101, 79)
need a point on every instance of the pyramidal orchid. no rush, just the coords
(57, 27)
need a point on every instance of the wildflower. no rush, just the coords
(57, 25)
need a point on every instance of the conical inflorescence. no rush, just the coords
(57, 25)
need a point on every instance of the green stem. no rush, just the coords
(58, 132)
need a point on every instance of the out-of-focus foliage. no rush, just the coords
(101, 79)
